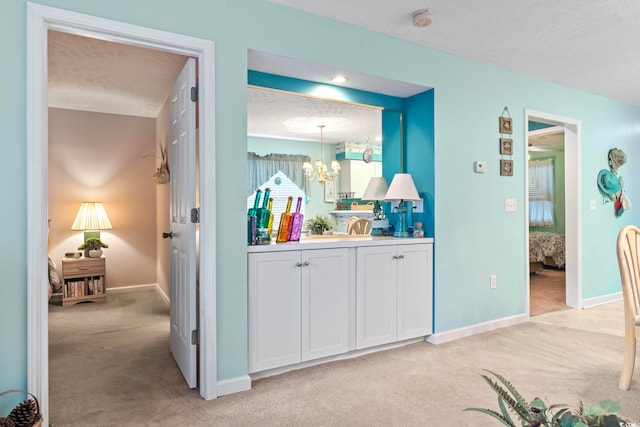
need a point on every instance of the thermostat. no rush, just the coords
(480, 167)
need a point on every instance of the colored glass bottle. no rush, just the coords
(263, 212)
(296, 222)
(285, 223)
(270, 207)
(262, 236)
(252, 219)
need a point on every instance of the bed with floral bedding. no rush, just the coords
(546, 249)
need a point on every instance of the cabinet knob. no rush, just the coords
(298, 264)
(169, 235)
(401, 256)
(395, 257)
(306, 264)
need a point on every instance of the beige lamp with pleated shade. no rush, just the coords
(91, 218)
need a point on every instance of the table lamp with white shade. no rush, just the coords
(401, 189)
(376, 191)
(91, 218)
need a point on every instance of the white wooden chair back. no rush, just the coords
(628, 251)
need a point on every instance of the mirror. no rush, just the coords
(286, 103)
(287, 124)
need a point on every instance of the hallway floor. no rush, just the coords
(547, 291)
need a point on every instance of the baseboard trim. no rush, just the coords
(467, 331)
(234, 385)
(342, 356)
(155, 286)
(132, 287)
(603, 299)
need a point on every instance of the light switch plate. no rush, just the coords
(510, 205)
(592, 205)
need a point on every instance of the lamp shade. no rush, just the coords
(402, 188)
(91, 216)
(376, 189)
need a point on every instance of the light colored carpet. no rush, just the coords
(110, 366)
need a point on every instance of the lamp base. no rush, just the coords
(401, 229)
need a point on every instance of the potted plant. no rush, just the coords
(93, 247)
(318, 224)
(537, 413)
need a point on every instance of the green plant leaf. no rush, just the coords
(504, 410)
(515, 401)
(610, 406)
(580, 424)
(592, 411)
(494, 414)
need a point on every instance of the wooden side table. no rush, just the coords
(83, 280)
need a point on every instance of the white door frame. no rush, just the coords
(39, 20)
(573, 214)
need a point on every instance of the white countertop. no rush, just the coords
(337, 241)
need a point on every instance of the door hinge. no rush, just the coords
(195, 215)
(195, 337)
(194, 94)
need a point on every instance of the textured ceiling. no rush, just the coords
(587, 44)
(592, 45)
(95, 75)
(288, 116)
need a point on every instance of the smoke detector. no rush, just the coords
(422, 18)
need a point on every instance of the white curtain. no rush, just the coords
(261, 168)
(541, 193)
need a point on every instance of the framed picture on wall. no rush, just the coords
(506, 167)
(330, 191)
(505, 125)
(506, 146)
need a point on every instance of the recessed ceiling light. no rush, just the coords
(422, 18)
(339, 79)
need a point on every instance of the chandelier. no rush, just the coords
(321, 170)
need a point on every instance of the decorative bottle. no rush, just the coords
(252, 220)
(296, 222)
(417, 230)
(262, 236)
(284, 230)
(270, 207)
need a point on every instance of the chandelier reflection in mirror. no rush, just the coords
(321, 171)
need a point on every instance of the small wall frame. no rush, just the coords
(505, 125)
(330, 191)
(506, 167)
(506, 146)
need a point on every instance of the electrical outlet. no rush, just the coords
(592, 205)
(493, 281)
(510, 205)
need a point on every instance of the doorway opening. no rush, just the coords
(40, 20)
(553, 220)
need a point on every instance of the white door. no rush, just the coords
(274, 309)
(376, 296)
(325, 302)
(183, 231)
(415, 278)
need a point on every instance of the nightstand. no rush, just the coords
(83, 280)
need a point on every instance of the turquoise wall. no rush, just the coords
(475, 237)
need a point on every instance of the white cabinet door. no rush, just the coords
(274, 309)
(376, 282)
(325, 299)
(415, 291)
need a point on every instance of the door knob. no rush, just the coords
(169, 235)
